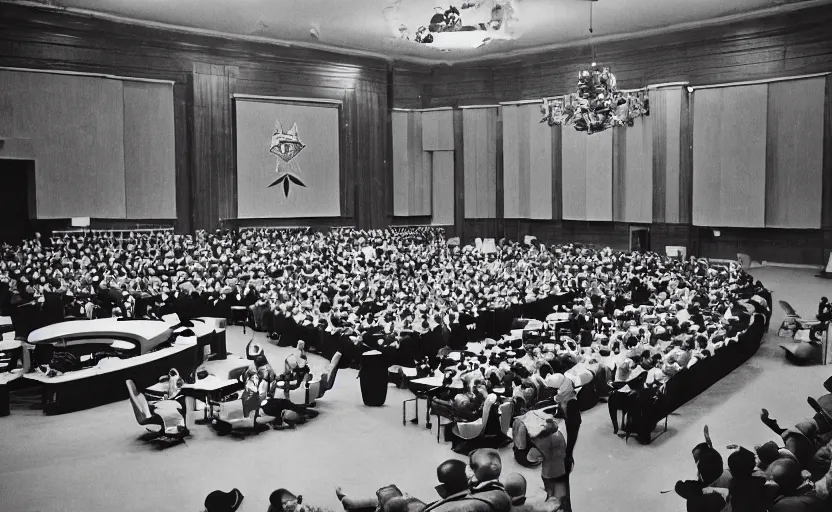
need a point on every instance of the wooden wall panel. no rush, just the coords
(212, 161)
(438, 130)
(443, 188)
(632, 189)
(479, 133)
(45, 39)
(412, 182)
(794, 154)
(729, 156)
(826, 199)
(149, 151)
(779, 45)
(666, 107)
(573, 174)
(76, 128)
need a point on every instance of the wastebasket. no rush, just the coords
(373, 377)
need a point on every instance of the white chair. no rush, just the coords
(168, 415)
(474, 429)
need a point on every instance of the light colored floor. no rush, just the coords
(91, 461)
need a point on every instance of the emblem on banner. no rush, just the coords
(286, 146)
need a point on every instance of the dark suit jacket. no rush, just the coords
(490, 499)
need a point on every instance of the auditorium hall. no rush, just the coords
(416, 256)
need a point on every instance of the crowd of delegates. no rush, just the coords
(478, 486)
(792, 475)
(355, 282)
(621, 343)
(634, 320)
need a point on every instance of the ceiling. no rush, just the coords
(370, 27)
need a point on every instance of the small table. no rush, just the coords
(207, 388)
(424, 385)
(204, 389)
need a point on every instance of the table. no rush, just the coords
(203, 389)
(436, 382)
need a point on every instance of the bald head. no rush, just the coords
(486, 464)
(786, 474)
(515, 484)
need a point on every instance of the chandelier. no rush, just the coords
(598, 104)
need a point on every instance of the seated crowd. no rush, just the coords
(478, 486)
(792, 474)
(619, 345)
(632, 320)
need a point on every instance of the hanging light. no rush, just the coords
(598, 103)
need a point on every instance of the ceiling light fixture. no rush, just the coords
(473, 24)
(598, 103)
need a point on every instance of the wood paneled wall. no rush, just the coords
(781, 45)
(206, 72)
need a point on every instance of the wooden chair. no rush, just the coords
(168, 415)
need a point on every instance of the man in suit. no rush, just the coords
(485, 492)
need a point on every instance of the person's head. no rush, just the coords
(516, 488)
(451, 477)
(219, 501)
(282, 500)
(709, 466)
(741, 463)
(786, 474)
(485, 464)
(767, 453)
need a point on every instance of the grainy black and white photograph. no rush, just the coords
(416, 255)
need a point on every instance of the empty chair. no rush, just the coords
(243, 414)
(329, 374)
(506, 412)
(791, 313)
(305, 394)
(233, 416)
(168, 415)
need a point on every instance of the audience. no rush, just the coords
(633, 321)
(795, 477)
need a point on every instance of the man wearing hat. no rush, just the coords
(219, 501)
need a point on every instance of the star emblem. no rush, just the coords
(286, 146)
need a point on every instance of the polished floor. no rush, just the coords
(92, 460)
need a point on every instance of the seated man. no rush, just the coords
(796, 493)
(467, 406)
(452, 482)
(802, 440)
(516, 488)
(256, 397)
(486, 493)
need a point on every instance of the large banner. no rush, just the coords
(288, 160)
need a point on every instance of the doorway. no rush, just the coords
(639, 239)
(17, 209)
